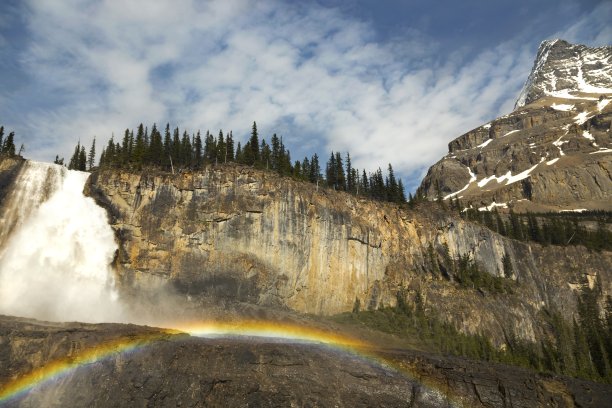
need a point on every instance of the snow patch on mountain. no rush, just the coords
(562, 69)
(562, 107)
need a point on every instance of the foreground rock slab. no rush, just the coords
(172, 369)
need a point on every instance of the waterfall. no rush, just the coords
(55, 249)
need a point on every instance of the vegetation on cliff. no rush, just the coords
(581, 349)
(176, 151)
(548, 228)
(7, 145)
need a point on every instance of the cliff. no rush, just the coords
(239, 235)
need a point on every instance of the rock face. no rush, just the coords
(178, 370)
(561, 68)
(235, 234)
(555, 153)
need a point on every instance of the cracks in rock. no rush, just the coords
(375, 246)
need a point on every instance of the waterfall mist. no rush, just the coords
(57, 247)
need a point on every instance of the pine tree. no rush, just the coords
(92, 154)
(253, 158)
(176, 147)
(198, 150)
(167, 146)
(331, 174)
(350, 176)
(239, 155)
(365, 184)
(221, 149)
(266, 154)
(185, 153)
(315, 169)
(125, 148)
(82, 166)
(9, 145)
(401, 195)
(210, 148)
(392, 189)
(340, 176)
(74, 159)
(155, 153)
(139, 147)
(230, 147)
(1, 137)
(275, 157)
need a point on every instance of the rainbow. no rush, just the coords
(270, 329)
(60, 367)
(287, 332)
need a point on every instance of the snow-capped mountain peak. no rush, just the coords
(563, 69)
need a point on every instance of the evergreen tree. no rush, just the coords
(365, 184)
(92, 154)
(9, 145)
(266, 154)
(185, 151)
(507, 266)
(139, 147)
(275, 156)
(198, 150)
(1, 137)
(221, 149)
(392, 188)
(155, 153)
(315, 169)
(331, 173)
(340, 176)
(74, 159)
(351, 185)
(167, 146)
(210, 148)
(230, 147)
(239, 154)
(125, 148)
(401, 195)
(253, 156)
(82, 159)
(176, 147)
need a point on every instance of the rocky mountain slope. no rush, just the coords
(562, 69)
(554, 152)
(163, 369)
(232, 234)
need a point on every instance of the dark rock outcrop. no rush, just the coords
(177, 370)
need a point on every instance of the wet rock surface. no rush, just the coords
(178, 370)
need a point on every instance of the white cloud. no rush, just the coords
(222, 64)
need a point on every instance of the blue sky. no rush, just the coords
(390, 81)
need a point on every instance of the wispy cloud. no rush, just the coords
(311, 73)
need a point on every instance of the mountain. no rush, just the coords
(552, 153)
(562, 69)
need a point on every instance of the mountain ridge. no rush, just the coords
(551, 154)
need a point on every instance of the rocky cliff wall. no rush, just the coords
(236, 234)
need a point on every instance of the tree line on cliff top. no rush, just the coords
(171, 150)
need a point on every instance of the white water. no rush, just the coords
(58, 246)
